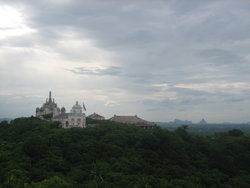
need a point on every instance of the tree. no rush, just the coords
(53, 182)
(15, 178)
(235, 132)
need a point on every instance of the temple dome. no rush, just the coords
(76, 108)
(63, 110)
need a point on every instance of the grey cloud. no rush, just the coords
(111, 71)
(152, 42)
(222, 23)
(220, 57)
(192, 97)
(25, 41)
(237, 99)
(186, 7)
(189, 92)
(175, 104)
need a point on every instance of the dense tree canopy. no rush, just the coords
(39, 154)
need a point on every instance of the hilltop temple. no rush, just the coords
(76, 117)
(48, 108)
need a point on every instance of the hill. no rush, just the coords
(5, 119)
(208, 129)
(38, 154)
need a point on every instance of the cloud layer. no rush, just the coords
(157, 59)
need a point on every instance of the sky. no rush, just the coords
(160, 60)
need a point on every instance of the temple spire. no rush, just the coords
(50, 100)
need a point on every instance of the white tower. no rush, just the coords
(77, 118)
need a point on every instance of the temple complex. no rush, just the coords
(50, 110)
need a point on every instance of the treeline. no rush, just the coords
(38, 154)
(209, 129)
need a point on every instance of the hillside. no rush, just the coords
(208, 129)
(38, 154)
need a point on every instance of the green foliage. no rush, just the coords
(235, 132)
(15, 178)
(53, 182)
(38, 154)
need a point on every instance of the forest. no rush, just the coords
(40, 154)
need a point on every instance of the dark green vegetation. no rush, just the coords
(208, 129)
(38, 154)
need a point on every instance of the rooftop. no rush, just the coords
(131, 120)
(95, 115)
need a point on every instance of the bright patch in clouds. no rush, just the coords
(12, 22)
(111, 103)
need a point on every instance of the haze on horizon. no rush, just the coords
(160, 60)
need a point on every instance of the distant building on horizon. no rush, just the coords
(133, 120)
(181, 122)
(203, 122)
(96, 116)
(76, 117)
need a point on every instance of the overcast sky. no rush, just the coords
(159, 60)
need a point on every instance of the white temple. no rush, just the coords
(49, 107)
(76, 117)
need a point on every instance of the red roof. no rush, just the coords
(132, 120)
(95, 116)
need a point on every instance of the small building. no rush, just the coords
(96, 116)
(133, 120)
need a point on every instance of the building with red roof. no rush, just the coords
(96, 116)
(133, 120)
